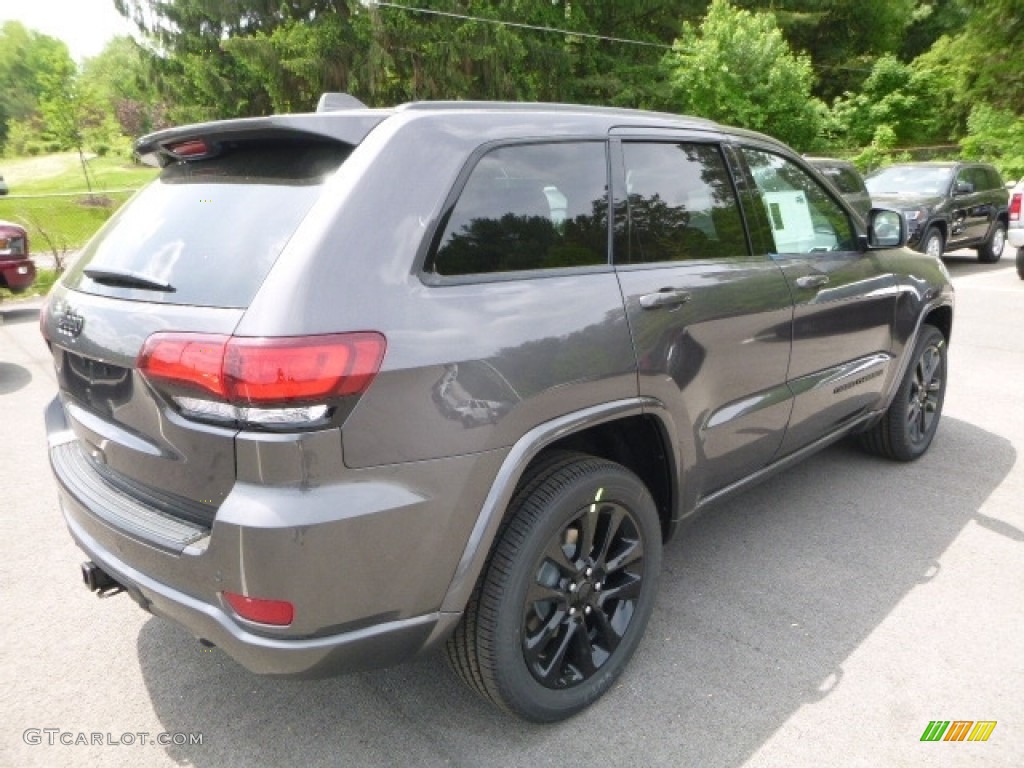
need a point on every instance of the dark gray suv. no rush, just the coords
(948, 205)
(342, 388)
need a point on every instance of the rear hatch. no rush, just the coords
(182, 260)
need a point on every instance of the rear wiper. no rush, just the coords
(125, 279)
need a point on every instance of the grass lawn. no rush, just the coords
(62, 172)
(48, 196)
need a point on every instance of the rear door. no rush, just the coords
(844, 301)
(710, 318)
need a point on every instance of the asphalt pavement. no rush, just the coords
(824, 618)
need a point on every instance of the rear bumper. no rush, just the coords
(17, 274)
(366, 559)
(1015, 236)
(377, 645)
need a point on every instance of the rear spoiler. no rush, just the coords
(349, 126)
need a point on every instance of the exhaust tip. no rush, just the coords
(96, 579)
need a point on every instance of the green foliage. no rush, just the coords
(896, 95)
(842, 37)
(120, 76)
(737, 68)
(212, 62)
(880, 151)
(996, 136)
(27, 59)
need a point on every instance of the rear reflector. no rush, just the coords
(264, 371)
(278, 612)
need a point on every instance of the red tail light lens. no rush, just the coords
(264, 371)
(191, 360)
(290, 370)
(1015, 206)
(278, 612)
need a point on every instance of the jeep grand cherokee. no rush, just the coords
(338, 389)
(948, 205)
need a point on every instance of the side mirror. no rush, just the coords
(886, 228)
(963, 188)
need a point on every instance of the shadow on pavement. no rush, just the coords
(13, 377)
(761, 602)
(19, 312)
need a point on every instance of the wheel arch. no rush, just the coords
(942, 318)
(940, 224)
(627, 432)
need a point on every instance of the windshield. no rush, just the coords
(913, 179)
(207, 231)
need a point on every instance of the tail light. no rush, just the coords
(289, 381)
(1015, 206)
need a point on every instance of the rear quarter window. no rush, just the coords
(210, 228)
(528, 207)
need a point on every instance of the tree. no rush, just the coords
(69, 107)
(736, 67)
(895, 95)
(996, 135)
(120, 76)
(26, 58)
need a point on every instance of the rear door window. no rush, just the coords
(682, 205)
(209, 229)
(529, 207)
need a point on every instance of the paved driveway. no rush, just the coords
(822, 619)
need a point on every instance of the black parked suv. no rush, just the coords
(342, 388)
(847, 179)
(948, 205)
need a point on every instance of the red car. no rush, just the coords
(17, 270)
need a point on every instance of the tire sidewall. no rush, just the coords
(988, 253)
(517, 685)
(930, 233)
(906, 448)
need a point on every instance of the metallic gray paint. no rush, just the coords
(378, 528)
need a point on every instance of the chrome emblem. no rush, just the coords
(70, 323)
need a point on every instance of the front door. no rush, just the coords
(844, 303)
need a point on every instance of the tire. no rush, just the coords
(1020, 263)
(566, 594)
(992, 249)
(933, 242)
(908, 426)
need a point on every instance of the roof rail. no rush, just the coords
(333, 101)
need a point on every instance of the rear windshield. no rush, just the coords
(208, 230)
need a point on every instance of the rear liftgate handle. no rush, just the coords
(666, 297)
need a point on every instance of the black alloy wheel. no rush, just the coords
(906, 430)
(583, 595)
(565, 597)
